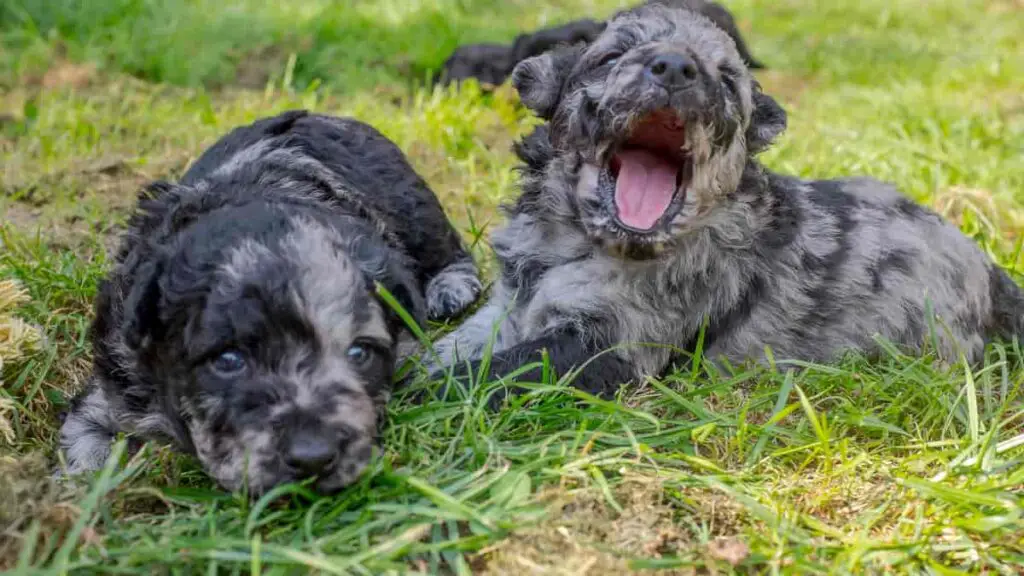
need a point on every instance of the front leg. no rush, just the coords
(487, 325)
(88, 431)
(602, 371)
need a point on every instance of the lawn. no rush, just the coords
(891, 466)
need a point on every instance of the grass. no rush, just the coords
(893, 466)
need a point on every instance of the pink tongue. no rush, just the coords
(644, 188)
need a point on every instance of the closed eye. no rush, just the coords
(729, 80)
(609, 59)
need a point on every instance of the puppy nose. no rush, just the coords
(310, 455)
(672, 69)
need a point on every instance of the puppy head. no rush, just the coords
(532, 44)
(260, 331)
(653, 123)
(488, 63)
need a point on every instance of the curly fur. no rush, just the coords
(813, 269)
(268, 249)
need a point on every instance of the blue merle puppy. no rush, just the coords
(241, 322)
(644, 215)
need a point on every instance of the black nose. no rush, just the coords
(311, 455)
(672, 70)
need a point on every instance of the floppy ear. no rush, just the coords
(391, 270)
(163, 208)
(400, 284)
(141, 305)
(540, 79)
(767, 121)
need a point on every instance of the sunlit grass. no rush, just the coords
(856, 467)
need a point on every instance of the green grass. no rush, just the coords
(860, 467)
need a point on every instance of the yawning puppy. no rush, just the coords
(644, 215)
(240, 321)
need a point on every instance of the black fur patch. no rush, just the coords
(489, 64)
(1007, 317)
(915, 323)
(722, 327)
(566, 349)
(786, 215)
(897, 260)
(540, 41)
(840, 204)
(911, 209)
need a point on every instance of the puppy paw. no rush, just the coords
(451, 385)
(87, 432)
(453, 290)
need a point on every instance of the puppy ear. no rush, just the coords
(142, 305)
(406, 293)
(539, 80)
(392, 271)
(165, 208)
(767, 121)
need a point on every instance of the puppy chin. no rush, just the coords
(627, 249)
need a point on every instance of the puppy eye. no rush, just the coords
(729, 81)
(609, 59)
(359, 354)
(229, 364)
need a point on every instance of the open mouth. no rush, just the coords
(651, 170)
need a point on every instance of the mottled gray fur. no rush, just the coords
(811, 269)
(241, 321)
